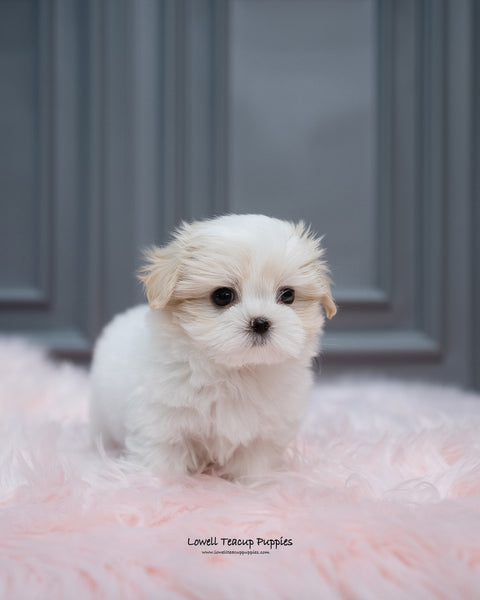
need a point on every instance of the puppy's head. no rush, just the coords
(246, 289)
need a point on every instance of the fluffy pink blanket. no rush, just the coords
(379, 499)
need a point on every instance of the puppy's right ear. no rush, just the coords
(328, 304)
(159, 275)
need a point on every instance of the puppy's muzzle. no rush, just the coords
(260, 325)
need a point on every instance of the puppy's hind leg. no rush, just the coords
(99, 432)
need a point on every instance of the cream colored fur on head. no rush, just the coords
(214, 372)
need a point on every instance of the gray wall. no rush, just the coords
(121, 117)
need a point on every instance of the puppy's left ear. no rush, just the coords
(328, 304)
(159, 275)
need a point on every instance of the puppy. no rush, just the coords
(213, 373)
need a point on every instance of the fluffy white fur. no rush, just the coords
(187, 386)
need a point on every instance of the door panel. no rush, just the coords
(119, 119)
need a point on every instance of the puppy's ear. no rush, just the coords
(159, 275)
(328, 304)
(319, 268)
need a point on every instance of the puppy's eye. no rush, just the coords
(286, 296)
(223, 296)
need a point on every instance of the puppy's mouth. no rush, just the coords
(261, 344)
(257, 340)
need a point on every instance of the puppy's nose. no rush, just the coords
(260, 325)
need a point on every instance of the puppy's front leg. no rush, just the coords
(162, 457)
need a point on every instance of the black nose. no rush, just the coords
(260, 325)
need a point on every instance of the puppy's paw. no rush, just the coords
(257, 460)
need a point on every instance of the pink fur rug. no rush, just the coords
(379, 499)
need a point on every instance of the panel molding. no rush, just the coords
(474, 13)
(24, 297)
(384, 61)
(62, 313)
(66, 343)
(221, 61)
(424, 337)
(384, 345)
(194, 162)
(37, 293)
(365, 299)
(175, 147)
(148, 107)
(378, 297)
(94, 162)
(45, 165)
(430, 158)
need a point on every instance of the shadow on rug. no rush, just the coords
(379, 499)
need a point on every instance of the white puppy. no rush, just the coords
(213, 374)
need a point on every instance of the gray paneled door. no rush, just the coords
(119, 118)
